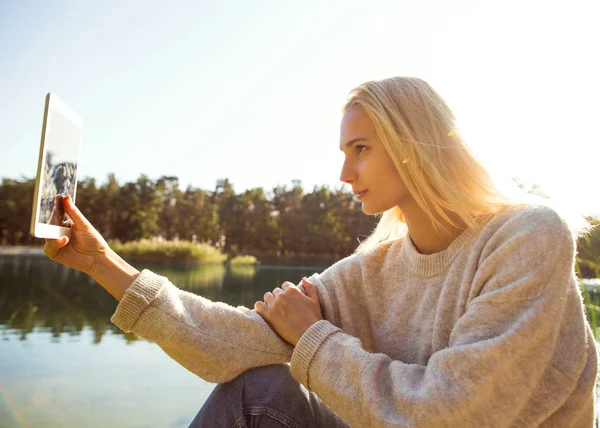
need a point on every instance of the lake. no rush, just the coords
(64, 364)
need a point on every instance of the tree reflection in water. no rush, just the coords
(41, 295)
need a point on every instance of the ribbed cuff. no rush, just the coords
(137, 297)
(306, 348)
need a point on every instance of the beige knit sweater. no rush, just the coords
(490, 332)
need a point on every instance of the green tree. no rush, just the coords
(288, 210)
(170, 197)
(88, 200)
(138, 207)
(16, 201)
(107, 202)
(356, 226)
(226, 200)
(198, 217)
(322, 227)
(256, 229)
(588, 251)
(99, 203)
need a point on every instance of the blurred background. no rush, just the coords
(211, 132)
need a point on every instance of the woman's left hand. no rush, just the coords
(289, 311)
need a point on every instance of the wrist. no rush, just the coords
(113, 273)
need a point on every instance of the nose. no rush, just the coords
(348, 174)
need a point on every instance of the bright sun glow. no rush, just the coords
(253, 91)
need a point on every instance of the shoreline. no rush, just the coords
(17, 250)
(24, 250)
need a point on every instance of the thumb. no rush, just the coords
(74, 212)
(311, 289)
(53, 246)
(62, 242)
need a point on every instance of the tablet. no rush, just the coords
(57, 169)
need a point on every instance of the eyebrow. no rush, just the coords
(352, 142)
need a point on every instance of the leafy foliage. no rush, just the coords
(283, 222)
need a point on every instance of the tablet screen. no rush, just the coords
(59, 173)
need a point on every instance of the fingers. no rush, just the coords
(286, 285)
(74, 213)
(260, 307)
(311, 289)
(269, 298)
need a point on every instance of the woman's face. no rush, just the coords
(367, 166)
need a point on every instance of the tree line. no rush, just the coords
(281, 225)
(283, 221)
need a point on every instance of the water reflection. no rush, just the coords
(63, 363)
(38, 294)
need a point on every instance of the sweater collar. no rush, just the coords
(426, 265)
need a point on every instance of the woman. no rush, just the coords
(461, 309)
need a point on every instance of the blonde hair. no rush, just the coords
(418, 130)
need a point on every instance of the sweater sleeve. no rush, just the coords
(211, 339)
(498, 350)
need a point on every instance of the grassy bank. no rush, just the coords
(243, 261)
(165, 251)
(201, 253)
(180, 251)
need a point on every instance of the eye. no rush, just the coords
(360, 148)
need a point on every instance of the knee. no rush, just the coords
(265, 380)
(270, 387)
(272, 372)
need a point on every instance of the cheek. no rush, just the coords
(397, 183)
(361, 166)
(391, 181)
(388, 173)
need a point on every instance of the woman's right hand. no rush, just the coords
(85, 246)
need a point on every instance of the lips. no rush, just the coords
(360, 193)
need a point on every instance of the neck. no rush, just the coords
(422, 232)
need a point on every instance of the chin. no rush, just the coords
(370, 211)
(376, 209)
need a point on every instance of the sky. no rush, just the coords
(252, 91)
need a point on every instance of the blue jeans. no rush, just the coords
(265, 397)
